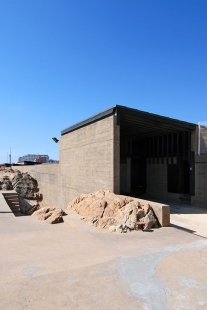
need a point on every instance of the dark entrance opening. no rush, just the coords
(179, 177)
(155, 155)
(138, 175)
(185, 179)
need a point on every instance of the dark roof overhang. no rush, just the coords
(135, 122)
(143, 124)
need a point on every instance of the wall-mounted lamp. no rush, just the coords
(55, 140)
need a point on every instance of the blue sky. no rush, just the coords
(64, 60)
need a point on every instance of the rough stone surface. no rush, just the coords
(104, 209)
(50, 215)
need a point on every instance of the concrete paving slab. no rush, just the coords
(78, 266)
(193, 219)
(5, 211)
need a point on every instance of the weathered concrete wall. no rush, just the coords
(47, 176)
(116, 156)
(157, 182)
(200, 198)
(87, 159)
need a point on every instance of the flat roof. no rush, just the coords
(123, 111)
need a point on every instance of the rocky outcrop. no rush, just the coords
(30, 198)
(50, 215)
(117, 212)
(26, 187)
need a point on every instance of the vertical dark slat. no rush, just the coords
(172, 144)
(130, 146)
(167, 150)
(178, 152)
(153, 150)
(149, 151)
(189, 147)
(145, 147)
(158, 149)
(138, 145)
(183, 143)
(162, 149)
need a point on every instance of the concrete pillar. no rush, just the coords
(116, 154)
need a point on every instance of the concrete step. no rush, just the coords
(12, 200)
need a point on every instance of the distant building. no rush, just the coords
(32, 157)
(41, 159)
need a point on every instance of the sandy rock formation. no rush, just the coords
(25, 185)
(50, 215)
(118, 213)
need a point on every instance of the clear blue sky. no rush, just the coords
(64, 60)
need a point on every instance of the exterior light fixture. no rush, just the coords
(55, 140)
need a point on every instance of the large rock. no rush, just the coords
(106, 210)
(26, 187)
(50, 215)
(7, 185)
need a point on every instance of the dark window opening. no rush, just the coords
(179, 177)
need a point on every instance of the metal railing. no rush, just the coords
(202, 138)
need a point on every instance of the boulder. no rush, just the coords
(149, 220)
(50, 215)
(56, 217)
(6, 186)
(26, 187)
(120, 213)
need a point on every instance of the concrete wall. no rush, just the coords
(89, 161)
(47, 176)
(200, 198)
(157, 182)
(116, 156)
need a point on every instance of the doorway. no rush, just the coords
(138, 175)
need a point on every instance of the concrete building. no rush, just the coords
(131, 152)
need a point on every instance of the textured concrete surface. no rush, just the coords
(76, 266)
(200, 198)
(89, 161)
(192, 219)
(5, 211)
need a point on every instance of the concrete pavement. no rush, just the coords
(193, 219)
(76, 266)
